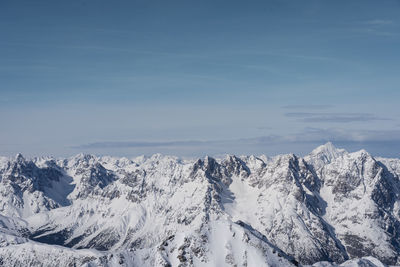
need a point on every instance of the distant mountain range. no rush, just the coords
(328, 208)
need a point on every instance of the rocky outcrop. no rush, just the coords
(330, 206)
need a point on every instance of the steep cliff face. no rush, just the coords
(329, 206)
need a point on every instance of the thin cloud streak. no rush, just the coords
(102, 48)
(133, 144)
(378, 27)
(305, 107)
(378, 143)
(307, 135)
(334, 117)
(378, 22)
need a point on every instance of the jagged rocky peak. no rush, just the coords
(221, 169)
(235, 166)
(20, 168)
(207, 164)
(362, 155)
(209, 167)
(81, 160)
(283, 162)
(328, 147)
(19, 162)
(350, 175)
(19, 158)
(255, 164)
(324, 154)
(163, 211)
(117, 163)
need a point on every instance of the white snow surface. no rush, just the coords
(330, 208)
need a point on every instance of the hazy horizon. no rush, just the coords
(198, 78)
(200, 152)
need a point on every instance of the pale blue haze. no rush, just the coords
(198, 77)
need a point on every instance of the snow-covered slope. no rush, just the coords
(330, 206)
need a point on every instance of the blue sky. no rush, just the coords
(198, 77)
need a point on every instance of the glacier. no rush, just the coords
(328, 208)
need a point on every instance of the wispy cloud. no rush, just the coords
(380, 32)
(101, 48)
(315, 134)
(379, 27)
(307, 107)
(309, 134)
(264, 127)
(378, 22)
(378, 142)
(133, 144)
(293, 55)
(333, 117)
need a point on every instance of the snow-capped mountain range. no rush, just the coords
(328, 208)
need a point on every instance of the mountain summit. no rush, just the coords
(325, 209)
(325, 154)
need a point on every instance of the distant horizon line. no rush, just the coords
(216, 155)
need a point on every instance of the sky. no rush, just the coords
(195, 78)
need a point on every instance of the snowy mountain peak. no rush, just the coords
(162, 211)
(362, 154)
(327, 149)
(324, 154)
(84, 157)
(19, 158)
